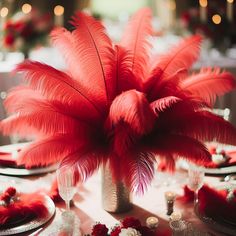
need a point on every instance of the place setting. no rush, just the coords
(21, 212)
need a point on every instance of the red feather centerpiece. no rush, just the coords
(117, 104)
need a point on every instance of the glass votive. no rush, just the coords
(152, 222)
(178, 227)
(170, 198)
(176, 216)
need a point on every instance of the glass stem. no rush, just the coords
(68, 205)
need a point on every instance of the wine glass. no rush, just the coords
(195, 179)
(66, 184)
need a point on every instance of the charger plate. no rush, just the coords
(32, 224)
(25, 172)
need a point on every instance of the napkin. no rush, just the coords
(24, 208)
(216, 204)
(7, 159)
(188, 195)
(54, 192)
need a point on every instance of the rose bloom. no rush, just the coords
(99, 230)
(116, 231)
(129, 232)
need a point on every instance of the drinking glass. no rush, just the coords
(66, 184)
(195, 179)
(178, 227)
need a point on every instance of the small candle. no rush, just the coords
(176, 216)
(152, 222)
(203, 10)
(170, 196)
(59, 15)
(229, 10)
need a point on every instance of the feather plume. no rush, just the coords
(125, 80)
(138, 171)
(66, 43)
(112, 109)
(83, 164)
(163, 103)
(96, 54)
(178, 146)
(204, 126)
(133, 108)
(181, 57)
(49, 150)
(47, 117)
(56, 85)
(135, 39)
(17, 95)
(209, 83)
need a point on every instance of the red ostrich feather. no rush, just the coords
(114, 105)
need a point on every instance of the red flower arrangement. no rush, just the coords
(128, 225)
(22, 32)
(117, 104)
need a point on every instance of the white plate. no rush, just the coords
(217, 171)
(25, 172)
(33, 224)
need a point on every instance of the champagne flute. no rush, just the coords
(66, 184)
(195, 180)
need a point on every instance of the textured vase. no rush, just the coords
(116, 197)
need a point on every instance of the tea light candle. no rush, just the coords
(176, 216)
(152, 222)
(170, 196)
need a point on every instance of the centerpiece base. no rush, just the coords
(116, 197)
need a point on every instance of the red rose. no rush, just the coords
(9, 40)
(11, 191)
(6, 198)
(131, 222)
(116, 231)
(99, 230)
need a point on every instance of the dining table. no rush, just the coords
(87, 201)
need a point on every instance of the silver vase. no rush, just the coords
(116, 197)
